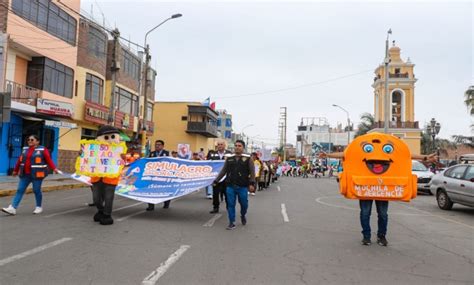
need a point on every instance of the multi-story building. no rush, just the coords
(315, 133)
(185, 123)
(224, 125)
(401, 90)
(39, 47)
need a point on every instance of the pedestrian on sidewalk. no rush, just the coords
(240, 179)
(158, 152)
(220, 154)
(32, 167)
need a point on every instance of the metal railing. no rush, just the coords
(22, 93)
(399, 125)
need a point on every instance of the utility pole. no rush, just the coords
(145, 99)
(387, 96)
(114, 68)
(282, 130)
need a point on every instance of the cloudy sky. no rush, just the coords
(253, 58)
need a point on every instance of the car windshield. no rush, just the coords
(418, 166)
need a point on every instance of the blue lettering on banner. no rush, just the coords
(159, 179)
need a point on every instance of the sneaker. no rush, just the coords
(10, 210)
(252, 193)
(231, 226)
(382, 241)
(38, 210)
(243, 219)
(366, 241)
(214, 211)
(150, 207)
(209, 197)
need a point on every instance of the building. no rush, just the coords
(38, 40)
(224, 125)
(401, 90)
(315, 134)
(185, 123)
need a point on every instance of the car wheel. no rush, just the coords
(444, 202)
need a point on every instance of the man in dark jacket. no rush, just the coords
(220, 188)
(158, 152)
(240, 179)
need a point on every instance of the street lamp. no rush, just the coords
(242, 132)
(433, 129)
(348, 123)
(387, 96)
(142, 86)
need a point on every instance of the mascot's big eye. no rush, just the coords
(388, 148)
(368, 148)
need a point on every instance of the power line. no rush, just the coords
(295, 87)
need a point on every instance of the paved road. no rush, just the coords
(301, 231)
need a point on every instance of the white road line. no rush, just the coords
(125, 207)
(131, 215)
(211, 222)
(279, 189)
(283, 212)
(33, 251)
(160, 271)
(67, 212)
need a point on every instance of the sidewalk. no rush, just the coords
(53, 182)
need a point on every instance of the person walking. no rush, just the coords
(158, 152)
(220, 154)
(240, 179)
(32, 167)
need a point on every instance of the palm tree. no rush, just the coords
(464, 140)
(469, 99)
(366, 124)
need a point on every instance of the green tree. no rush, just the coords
(367, 122)
(469, 99)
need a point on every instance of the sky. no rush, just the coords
(252, 58)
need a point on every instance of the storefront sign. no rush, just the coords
(60, 124)
(54, 108)
(96, 113)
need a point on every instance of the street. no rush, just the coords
(299, 231)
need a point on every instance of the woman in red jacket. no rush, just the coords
(32, 167)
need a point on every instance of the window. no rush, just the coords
(228, 122)
(49, 75)
(94, 89)
(49, 17)
(469, 174)
(88, 134)
(227, 134)
(219, 123)
(149, 112)
(184, 118)
(131, 64)
(456, 172)
(97, 42)
(127, 102)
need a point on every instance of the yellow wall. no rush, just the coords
(172, 130)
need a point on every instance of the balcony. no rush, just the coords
(22, 93)
(398, 75)
(203, 110)
(398, 125)
(202, 128)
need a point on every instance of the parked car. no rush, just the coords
(424, 176)
(454, 185)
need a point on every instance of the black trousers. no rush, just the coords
(103, 195)
(217, 191)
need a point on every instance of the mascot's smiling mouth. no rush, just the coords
(378, 166)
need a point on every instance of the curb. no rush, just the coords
(11, 192)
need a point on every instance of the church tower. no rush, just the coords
(401, 90)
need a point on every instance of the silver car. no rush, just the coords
(423, 174)
(454, 185)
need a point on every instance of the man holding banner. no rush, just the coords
(159, 152)
(240, 179)
(220, 187)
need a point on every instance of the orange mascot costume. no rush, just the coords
(377, 166)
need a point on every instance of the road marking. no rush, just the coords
(125, 207)
(318, 200)
(440, 217)
(67, 212)
(160, 271)
(278, 187)
(211, 222)
(33, 251)
(129, 216)
(283, 212)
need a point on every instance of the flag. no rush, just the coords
(213, 105)
(206, 102)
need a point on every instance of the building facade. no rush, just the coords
(185, 123)
(401, 96)
(224, 125)
(39, 47)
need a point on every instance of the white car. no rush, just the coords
(424, 176)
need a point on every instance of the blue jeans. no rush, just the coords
(365, 211)
(22, 185)
(241, 193)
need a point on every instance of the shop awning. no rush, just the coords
(124, 137)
